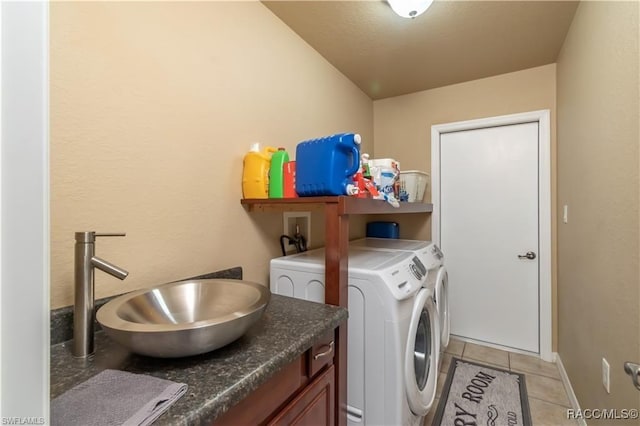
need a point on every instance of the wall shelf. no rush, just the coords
(346, 205)
(336, 219)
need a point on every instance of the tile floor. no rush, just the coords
(548, 400)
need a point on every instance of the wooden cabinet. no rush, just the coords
(302, 393)
(336, 219)
(313, 406)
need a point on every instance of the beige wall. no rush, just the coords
(153, 106)
(598, 134)
(402, 129)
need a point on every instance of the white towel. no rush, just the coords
(115, 397)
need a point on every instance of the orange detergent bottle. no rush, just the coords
(255, 173)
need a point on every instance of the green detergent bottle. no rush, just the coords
(276, 173)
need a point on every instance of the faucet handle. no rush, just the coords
(90, 237)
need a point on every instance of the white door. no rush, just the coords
(489, 224)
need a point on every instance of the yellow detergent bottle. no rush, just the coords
(255, 173)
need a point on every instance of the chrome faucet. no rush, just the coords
(83, 308)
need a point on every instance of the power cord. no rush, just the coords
(282, 238)
(301, 243)
(298, 240)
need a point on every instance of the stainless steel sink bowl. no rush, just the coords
(184, 318)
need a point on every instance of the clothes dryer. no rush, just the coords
(430, 263)
(393, 331)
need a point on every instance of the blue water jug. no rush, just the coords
(325, 166)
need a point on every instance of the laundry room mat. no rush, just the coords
(481, 395)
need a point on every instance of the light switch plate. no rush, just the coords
(565, 214)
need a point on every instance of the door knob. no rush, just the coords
(530, 255)
(633, 370)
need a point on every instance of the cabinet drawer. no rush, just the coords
(321, 353)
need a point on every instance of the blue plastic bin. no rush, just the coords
(383, 230)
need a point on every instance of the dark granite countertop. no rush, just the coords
(219, 379)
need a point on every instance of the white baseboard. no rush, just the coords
(568, 388)
(497, 346)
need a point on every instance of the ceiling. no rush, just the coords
(452, 42)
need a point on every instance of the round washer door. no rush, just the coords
(421, 354)
(442, 304)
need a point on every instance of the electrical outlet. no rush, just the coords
(605, 375)
(289, 222)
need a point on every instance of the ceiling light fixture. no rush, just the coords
(409, 8)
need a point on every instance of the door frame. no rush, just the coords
(542, 117)
(24, 209)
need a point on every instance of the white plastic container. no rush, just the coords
(385, 173)
(414, 182)
(384, 162)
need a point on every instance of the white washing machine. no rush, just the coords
(393, 338)
(431, 263)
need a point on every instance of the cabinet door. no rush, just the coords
(256, 408)
(314, 406)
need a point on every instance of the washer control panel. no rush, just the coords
(430, 256)
(436, 252)
(417, 268)
(406, 278)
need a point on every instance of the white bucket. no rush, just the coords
(414, 183)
